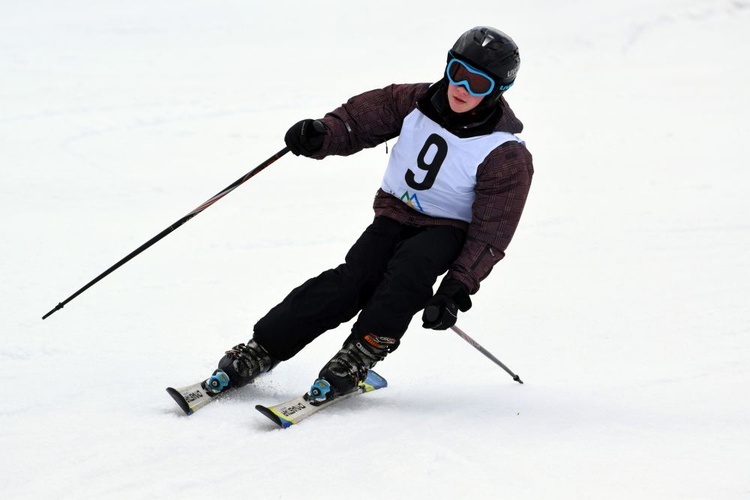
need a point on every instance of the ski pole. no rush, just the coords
(487, 353)
(432, 313)
(171, 228)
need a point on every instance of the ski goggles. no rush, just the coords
(477, 83)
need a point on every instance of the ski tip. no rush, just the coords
(180, 400)
(274, 417)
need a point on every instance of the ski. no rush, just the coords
(295, 410)
(192, 398)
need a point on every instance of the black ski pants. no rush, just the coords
(387, 277)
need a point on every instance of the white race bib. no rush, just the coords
(434, 171)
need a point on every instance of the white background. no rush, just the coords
(622, 302)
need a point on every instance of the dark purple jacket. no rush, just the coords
(503, 178)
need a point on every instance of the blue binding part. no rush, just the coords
(319, 390)
(218, 381)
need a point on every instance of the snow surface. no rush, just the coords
(622, 302)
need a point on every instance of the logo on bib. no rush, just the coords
(412, 201)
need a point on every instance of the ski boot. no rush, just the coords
(348, 368)
(243, 362)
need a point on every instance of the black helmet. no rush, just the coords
(490, 50)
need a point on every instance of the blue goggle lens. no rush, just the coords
(477, 83)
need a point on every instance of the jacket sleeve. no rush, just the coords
(368, 119)
(503, 182)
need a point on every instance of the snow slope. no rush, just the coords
(622, 302)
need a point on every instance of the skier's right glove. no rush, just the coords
(305, 137)
(441, 311)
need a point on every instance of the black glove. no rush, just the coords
(305, 137)
(441, 311)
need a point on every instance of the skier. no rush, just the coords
(450, 200)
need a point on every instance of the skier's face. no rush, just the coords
(460, 100)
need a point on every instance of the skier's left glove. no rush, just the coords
(441, 311)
